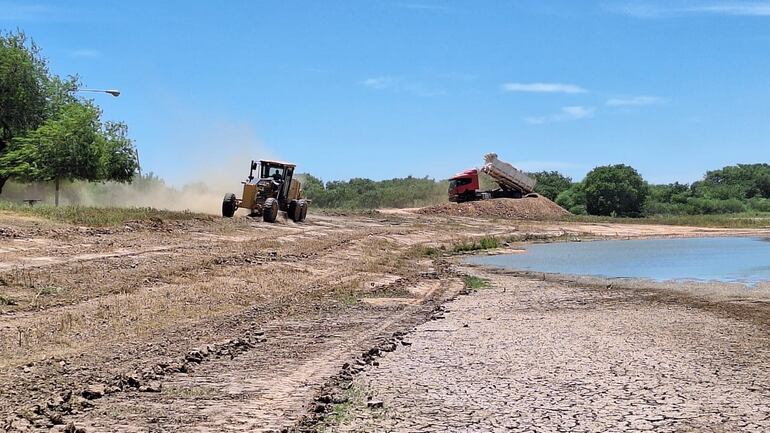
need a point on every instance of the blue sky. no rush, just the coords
(382, 89)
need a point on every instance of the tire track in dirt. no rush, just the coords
(261, 392)
(332, 257)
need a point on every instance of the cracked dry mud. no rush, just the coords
(540, 356)
(220, 325)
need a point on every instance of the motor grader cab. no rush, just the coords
(273, 189)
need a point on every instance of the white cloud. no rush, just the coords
(578, 112)
(746, 9)
(379, 82)
(84, 52)
(634, 101)
(662, 10)
(402, 85)
(638, 10)
(542, 88)
(12, 11)
(573, 112)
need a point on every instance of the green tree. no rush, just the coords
(615, 190)
(119, 159)
(74, 145)
(551, 183)
(573, 199)
(46, 133)
(23, 84)
(312, 186)
(742, 181)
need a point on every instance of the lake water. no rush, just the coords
(728, 259)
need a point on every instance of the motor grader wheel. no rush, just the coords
(302, 210)
(229, 205)
(295, 210)
(270, 210)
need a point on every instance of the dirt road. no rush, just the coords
(217, 325)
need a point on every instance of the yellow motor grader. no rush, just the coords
(273, 190)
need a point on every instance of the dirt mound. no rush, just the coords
(533, 208)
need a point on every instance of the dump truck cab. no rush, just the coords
(463, 186)
(273, 189)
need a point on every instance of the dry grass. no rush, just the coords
(741, 220)
(337, 266)
(97, 216)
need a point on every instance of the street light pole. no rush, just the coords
(114, 93)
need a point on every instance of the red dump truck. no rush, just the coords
(512, 183)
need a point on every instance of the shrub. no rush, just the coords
(485, 243)
(475, 283)
(615, 190)
(574, 197)
(715, 206)
(551, 183)
(759, 204)
(661, 208)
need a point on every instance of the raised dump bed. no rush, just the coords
(507, 176)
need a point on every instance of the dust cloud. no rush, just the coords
(207, 167)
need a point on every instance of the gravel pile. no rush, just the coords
(533, 208)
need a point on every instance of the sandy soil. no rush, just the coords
(220, 325)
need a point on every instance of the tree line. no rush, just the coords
(369, 194)
(621, 191)
(612, 190)
(47, 134)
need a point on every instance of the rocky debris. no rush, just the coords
(170, 367)
(7, 232)
(332, 392)
(49, 415)
(81, 402)
(230, 348)
(126, 381)
(70, 428)
(438, 313)
(196, 355)
(92, 392)
(16, 424)
(389, 347)
(529, 208)
(430, 275)
(248, 257)
(152, 386)
(59, 401)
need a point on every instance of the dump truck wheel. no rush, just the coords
(228, 205)
(270, 210)
(302, 210)
(294, 211)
